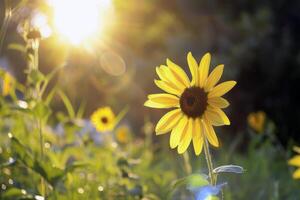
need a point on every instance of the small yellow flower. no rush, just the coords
(295, 161)
(256, 121)
(103, 119)
(198, 103)
(8, 82)
(123, 134)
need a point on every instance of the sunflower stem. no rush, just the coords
(187, 164)
(209, 163)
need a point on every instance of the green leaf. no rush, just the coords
(197, 180)
(212, 197)
(41, 110)
(50, 96)
(35, 77)
(50, 173)
(194, 180)
(9, 163)
(21, 153)
(74, 166)
(16, 194)
(12, 193)
(17, 47)
(81, 109)
(53, 73)
(121, 115)
(68, 104)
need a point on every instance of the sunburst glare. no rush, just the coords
(78, 21)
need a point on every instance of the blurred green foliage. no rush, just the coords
(80, 163)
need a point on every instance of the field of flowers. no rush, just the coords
(102, 123)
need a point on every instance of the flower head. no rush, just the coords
(197, 103)
(8, 82)
(256, 121)
(123, 134)
(207, 192)
(103, 119)
(295, 161)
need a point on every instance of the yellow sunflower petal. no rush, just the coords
(203, 69)
(186, 137)
(164, 99)
(214, 78)
(218, 102)
(210, 133)
(161, 74)
(179, 73)
(177, 132)
(296, 174)
(193, 65)
(216, 116)
(296, 149)
(168, 121)
(103, 119)
(171, 78)
(152, 104)
(295, 161)
(223, 116)
(167, 87)
(221, 89)
(197, 137)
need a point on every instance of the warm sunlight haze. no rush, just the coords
(83, 19)
(40, 21)
(149, 100)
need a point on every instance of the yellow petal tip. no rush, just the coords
(158, 133)
(179, 151)
(147, 103)
(168, 61)
(207, 54)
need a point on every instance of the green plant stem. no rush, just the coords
(40, 129)
(7, 16)
(187, 164)
(37, 96)
(39, 121)
(209, 163)
(36, 53)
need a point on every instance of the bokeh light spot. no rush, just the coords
(112, 63)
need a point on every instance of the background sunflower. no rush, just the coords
(103, 119)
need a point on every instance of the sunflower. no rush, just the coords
(197, 103)
(295, 161)
(123, 134)
(8, 84)
(103, 119)
(256, 121)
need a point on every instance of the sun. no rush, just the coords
(78, 21)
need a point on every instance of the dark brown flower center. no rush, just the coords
(193, 102)
(104, 120)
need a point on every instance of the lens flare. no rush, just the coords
(79, 20)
